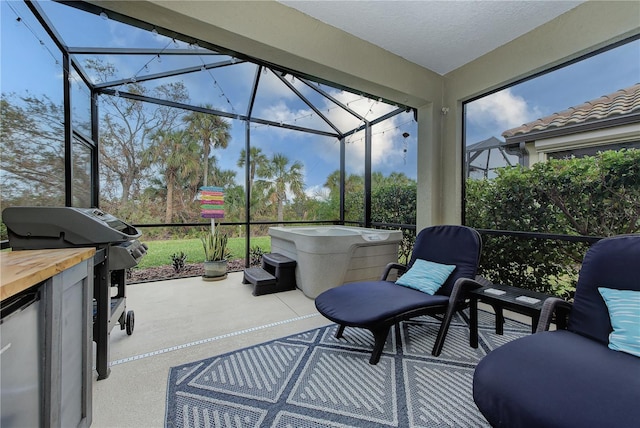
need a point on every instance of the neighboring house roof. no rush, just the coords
(622, 106)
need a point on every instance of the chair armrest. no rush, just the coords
(552, 305)
(461, 289)
(483, 281)
(387, 270)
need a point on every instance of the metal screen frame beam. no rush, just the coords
(69, 63)
(179, 72)
(308, 103)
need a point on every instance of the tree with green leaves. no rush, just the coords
(126, 127)
(212, 131)
(354, 195)
(234, 203)
(32, 137)
(277, 178)
(177, 157)
(257, 160)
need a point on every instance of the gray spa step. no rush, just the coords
(263, 282)
(277, 260)
(258, 276)
(283, 268)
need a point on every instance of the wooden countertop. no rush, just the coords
(20, 270)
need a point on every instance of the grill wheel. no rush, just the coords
(130, 322)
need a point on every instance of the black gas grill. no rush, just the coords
(117, 249)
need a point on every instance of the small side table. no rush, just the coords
(502, 297)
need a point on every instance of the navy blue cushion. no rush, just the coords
(368, 302)
(449, 245)
(609, 263)
(558, 379)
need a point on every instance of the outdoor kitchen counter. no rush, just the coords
(20, 270)
(47, 332)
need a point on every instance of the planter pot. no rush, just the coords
(215, 270)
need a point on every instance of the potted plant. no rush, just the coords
(215, 255)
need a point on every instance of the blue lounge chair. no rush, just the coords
(572, 377)
(378, 305)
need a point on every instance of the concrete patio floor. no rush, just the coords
(183, 320)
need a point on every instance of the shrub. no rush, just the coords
(593, 196)
(177, 261)
(255, 256)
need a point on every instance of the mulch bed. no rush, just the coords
(161, 273)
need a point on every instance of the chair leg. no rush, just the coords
(380, 337)
(442, 333)
(340, 331)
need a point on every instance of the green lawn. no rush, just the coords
(159, 252)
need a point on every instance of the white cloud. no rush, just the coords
(387, 147)
(271, 87)
(363, 106)
(280, 112)
(387, 142)
(387, 150)
(317, 192)
(504, 109)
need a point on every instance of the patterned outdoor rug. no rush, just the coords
(312, 379)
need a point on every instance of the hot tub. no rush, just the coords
(329, 256)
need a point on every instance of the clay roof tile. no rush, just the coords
(621, 102)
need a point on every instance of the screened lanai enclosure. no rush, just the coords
(138, 118)
(105, 109)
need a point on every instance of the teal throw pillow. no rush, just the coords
(426, 276)
(624, 313)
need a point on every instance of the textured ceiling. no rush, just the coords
(438, 35)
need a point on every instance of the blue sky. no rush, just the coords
(225, 88)
(553, 92)
(25, 59)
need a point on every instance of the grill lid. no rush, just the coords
(61, 227)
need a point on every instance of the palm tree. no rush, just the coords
(278, 177)
(333, 183)
(353, 191)
(257, 160)
(353, 183)
(177, 157)
(212, 130)
(225, 178)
